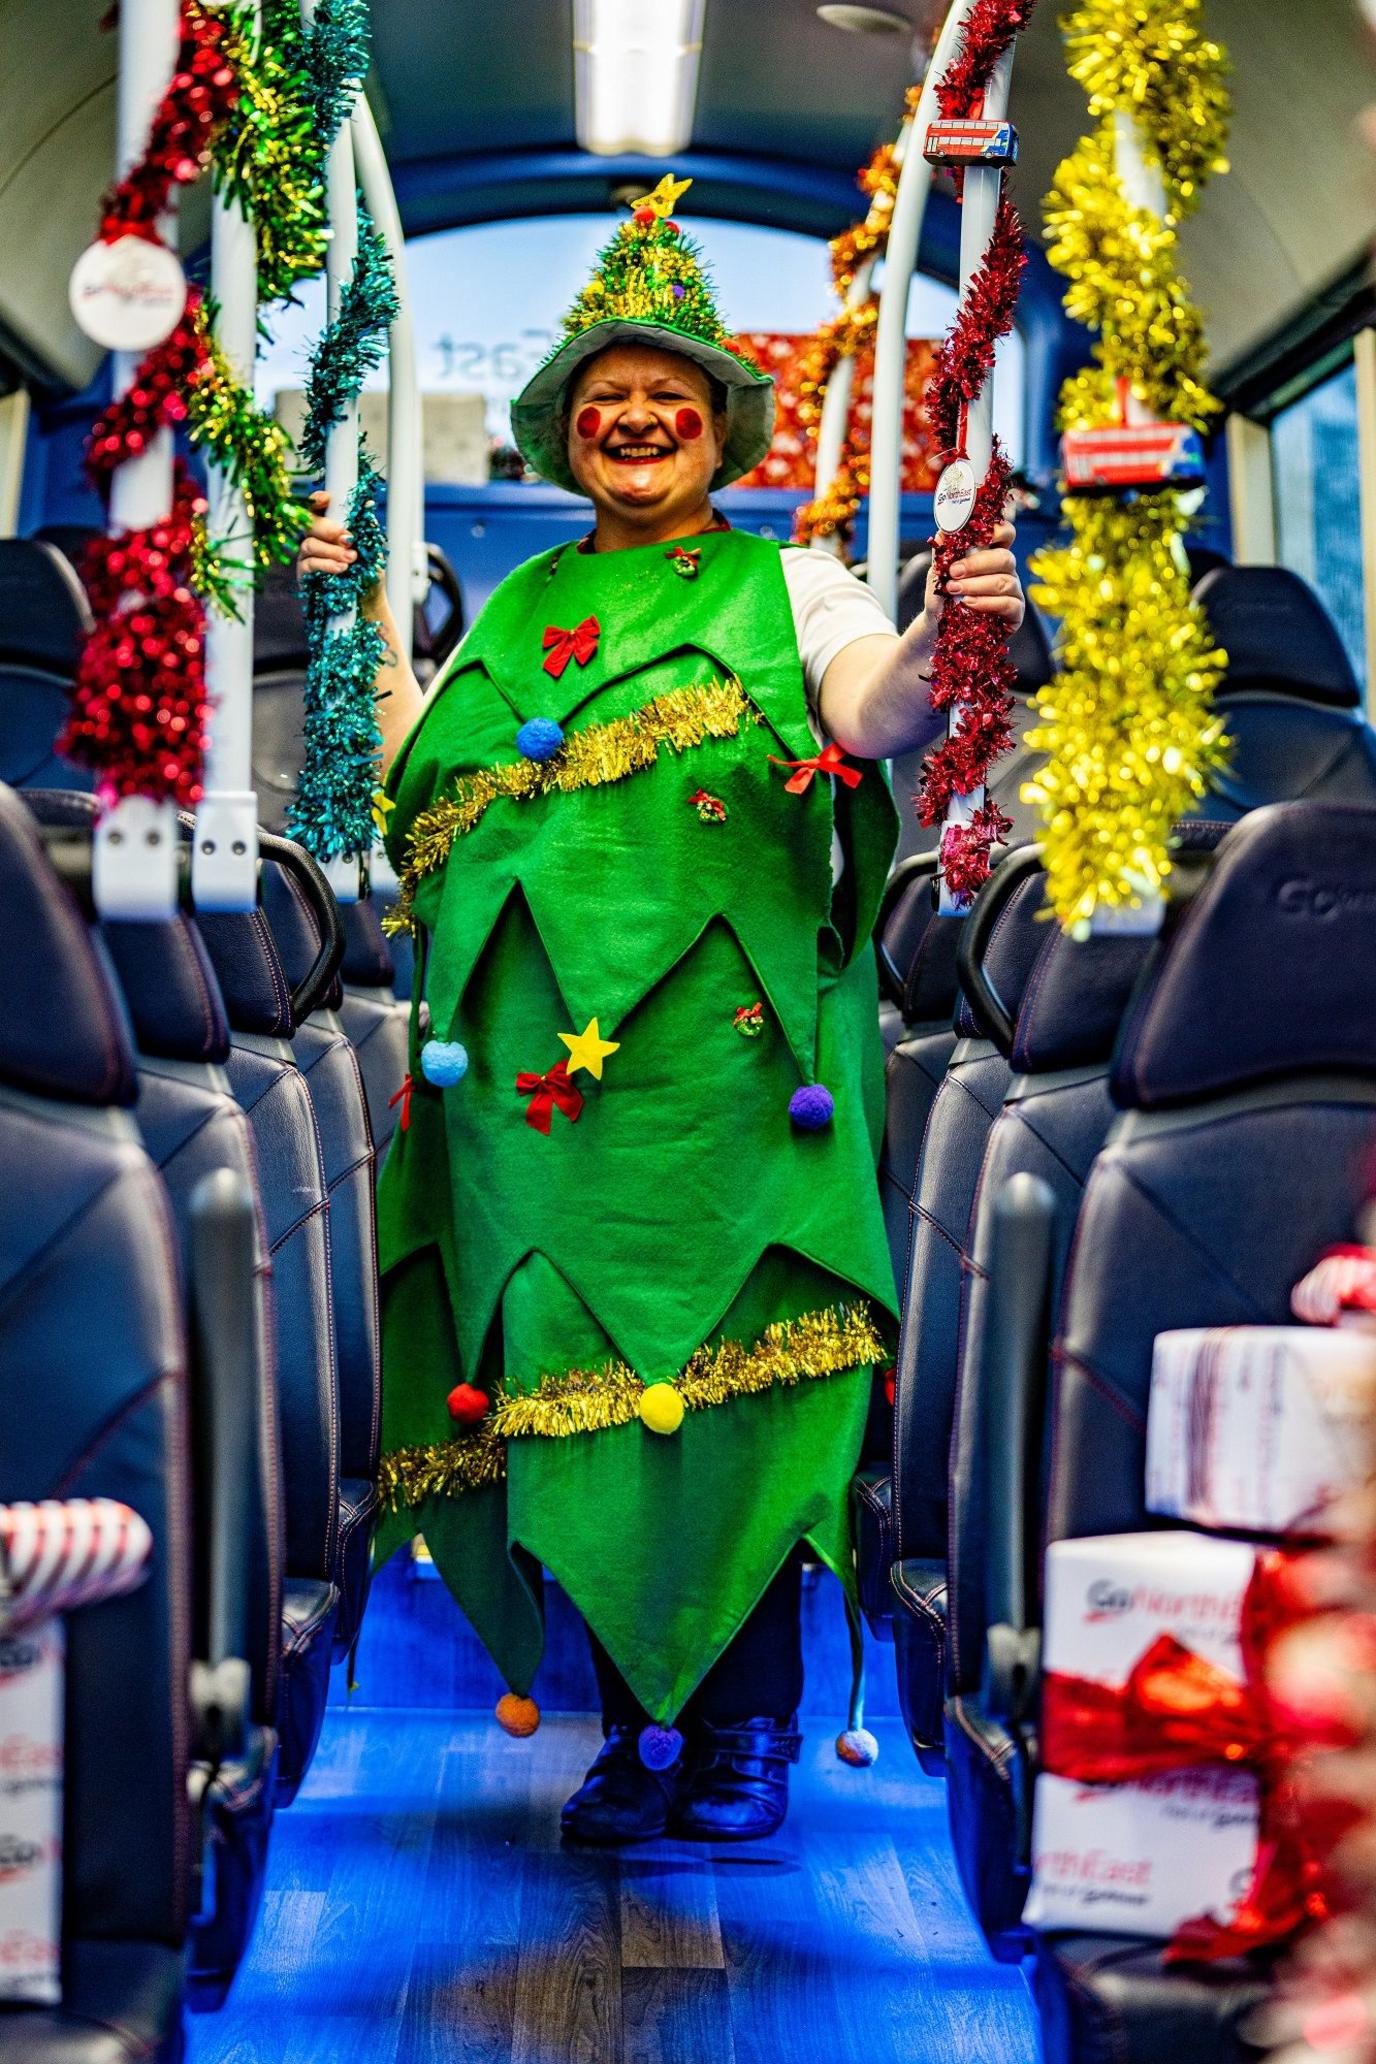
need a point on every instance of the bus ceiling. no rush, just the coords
(477, 112)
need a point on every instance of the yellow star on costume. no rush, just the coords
(665, 197)
(383, 807)
(588, 1048)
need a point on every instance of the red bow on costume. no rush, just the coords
(562, 646)
(830, 760)
(1176, 1710)
(545, 1091)
(403, 1097)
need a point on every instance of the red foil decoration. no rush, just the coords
(154, 398)
(199, 97)
(138, 710)
(989, 30)
(1176, 1710)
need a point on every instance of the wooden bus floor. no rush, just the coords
(420, 1910)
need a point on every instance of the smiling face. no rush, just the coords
(644, 441)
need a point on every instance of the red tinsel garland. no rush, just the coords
(971, 670)
(990, 29)
(155, 397)
(138, 713)
(200, 94)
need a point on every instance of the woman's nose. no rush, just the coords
(637, 415)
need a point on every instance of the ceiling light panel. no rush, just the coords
(636, 74)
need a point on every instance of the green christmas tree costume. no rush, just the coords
(660, 1282)
(683, 1208)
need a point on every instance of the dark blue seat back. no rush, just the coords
(92, 1403)
(43, 616)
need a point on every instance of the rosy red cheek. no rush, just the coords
(688, 424)
(589, 422)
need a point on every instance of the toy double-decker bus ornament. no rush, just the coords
(971, 140)
(1123, 455)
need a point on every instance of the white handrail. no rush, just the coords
(224, 858)
(836, 401)
(408, 579)
(891, 333)
(134, 864)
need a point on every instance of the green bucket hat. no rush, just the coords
(649, 287)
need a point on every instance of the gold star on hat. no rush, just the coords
(665, 197)
(587, 1049)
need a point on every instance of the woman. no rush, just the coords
(635, 1277)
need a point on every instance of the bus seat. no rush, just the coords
(1245, 1074)
(1055, 1117)
(43, 616)
(266, 1082)
(303, 917)
(92, 1325)
(191, 1126)
(963, 1108)
(376, 1024)
(1290, 697)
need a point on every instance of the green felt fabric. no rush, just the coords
(684, 1206)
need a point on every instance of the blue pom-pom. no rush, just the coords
(540, 739)
(443, 1062)
(660, 1747)
(812, 1108)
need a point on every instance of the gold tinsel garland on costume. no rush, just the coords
(848, 334)
(1127, 724)
(817, 1344)
(591, 758)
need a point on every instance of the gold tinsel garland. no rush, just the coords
(814, 1345)
(1127, 724)
(591, 758)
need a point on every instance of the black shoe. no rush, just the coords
(739, 1786)
(620, 1800)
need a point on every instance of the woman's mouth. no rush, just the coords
(638, 454)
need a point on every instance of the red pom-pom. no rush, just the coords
(644, 218)
(671, 227)
(467, 1404)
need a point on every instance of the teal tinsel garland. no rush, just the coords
(352, 346)
(332, 812)
(335, 50)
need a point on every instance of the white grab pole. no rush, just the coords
(979, 207)
(408, 579)
(224, 855)
(341, 447)
(134, 865)
(891, 334)
(835, 419)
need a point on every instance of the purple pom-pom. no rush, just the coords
(812, 1108)
(660, 1747)
(539, 739)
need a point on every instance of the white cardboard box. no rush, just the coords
(1140, 1858)
(1259, 1427)
(31, 1717)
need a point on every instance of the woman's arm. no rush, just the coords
(875, 701)
(328, 548)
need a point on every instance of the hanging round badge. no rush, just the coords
(955, 495)
(127, 295)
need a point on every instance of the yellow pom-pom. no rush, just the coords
(516, 1715)
(661, 1408)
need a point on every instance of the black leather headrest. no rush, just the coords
(63, 1029)
(301, 909)
(997, 958)
(1269, 971)
(249, 970)
(43, 607)
(1079, 990)
(367, 962)
(1277, 634)
(164, 972)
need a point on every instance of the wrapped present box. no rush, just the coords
(1141, 1854)
(31, 1682)
(1258, 1428)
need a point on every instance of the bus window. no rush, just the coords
(1318, 505)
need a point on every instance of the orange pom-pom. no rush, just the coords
(516, 1715)
(858, 1747)
(467, 1404)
